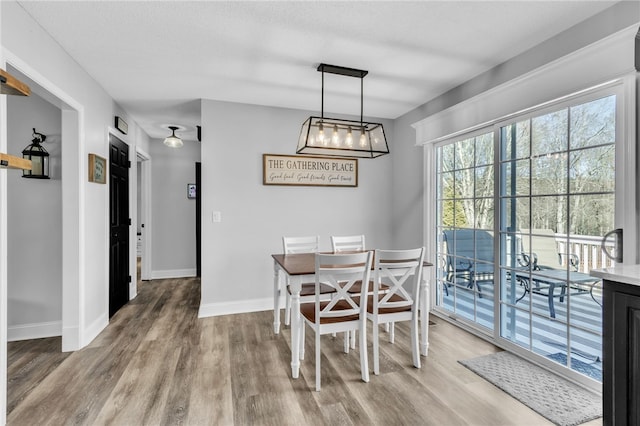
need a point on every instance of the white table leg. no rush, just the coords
(276, 297)
(424, 317)
(296, 323)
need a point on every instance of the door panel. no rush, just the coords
(118, 224)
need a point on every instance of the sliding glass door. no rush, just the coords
(522, 207)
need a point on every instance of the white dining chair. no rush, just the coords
(401, 271)
(342, 243)
(292, 245)
(347, 243)
(345, 310)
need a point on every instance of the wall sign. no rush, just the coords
(97, 169)
(306, 170)
(121, 125)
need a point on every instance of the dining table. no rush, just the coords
(298, 268)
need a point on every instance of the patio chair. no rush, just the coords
(469, 257)
(544, 250)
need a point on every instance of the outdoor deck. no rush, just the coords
(550, 335)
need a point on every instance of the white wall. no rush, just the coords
(173, 214)
(35, 235)
(237, 272)
(89, 113)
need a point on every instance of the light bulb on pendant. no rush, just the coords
(334, 138)
(349, 139)
(320, 133)
(363, 138)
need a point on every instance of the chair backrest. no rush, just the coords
(542, 244)
(401, 271)
(342, 271)
(300, 244)
(465, 246)
(347, 243)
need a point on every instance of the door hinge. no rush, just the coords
(129, 278)
(129, 221)
(129, 164)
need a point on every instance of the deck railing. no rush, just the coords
(587, 248)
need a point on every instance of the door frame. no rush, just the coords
(73, 215)
(143, 160)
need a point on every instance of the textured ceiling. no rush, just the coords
(157, 59)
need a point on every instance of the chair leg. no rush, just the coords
(364, 360)
(317, 360)
(392, 333)
(353, 339)
(287, 310)
(376, 348)
(415, 344)
(386, 327)
(301, 340)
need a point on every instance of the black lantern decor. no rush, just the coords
(39, 158)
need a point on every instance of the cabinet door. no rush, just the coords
(622, 387)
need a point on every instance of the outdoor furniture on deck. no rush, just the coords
(545, 282)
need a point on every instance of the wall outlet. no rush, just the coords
(216, 217)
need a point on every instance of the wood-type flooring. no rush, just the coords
(158, 364)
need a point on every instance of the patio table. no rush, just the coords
(545, 281)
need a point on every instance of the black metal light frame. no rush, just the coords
(369, 140)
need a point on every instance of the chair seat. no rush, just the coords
(309, 289)
(308, 310)
(382, 311)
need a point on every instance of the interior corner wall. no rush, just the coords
(35, 235)
(173, 214)
(237, 269)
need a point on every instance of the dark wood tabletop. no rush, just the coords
(303, 263)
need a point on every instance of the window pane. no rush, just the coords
(515, 215)
(593, 123)
(592, 214)
(464, 154)
(549, 174)
(484, 149)
(515, 140)
(484, 214)
(484, 181)
(549, 133)
(464, 183)
(592, 170)
(447, 155)
(549, 213)
(516, 183)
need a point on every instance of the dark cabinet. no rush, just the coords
(621, 355)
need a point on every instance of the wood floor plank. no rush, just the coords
(156, 363)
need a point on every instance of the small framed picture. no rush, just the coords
(191, 190)
(97, 169)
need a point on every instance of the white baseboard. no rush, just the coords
(34, 331)
(238, 307)
(173, 273)
(70, 339)
(92, 331)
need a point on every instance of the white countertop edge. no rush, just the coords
(627, 274)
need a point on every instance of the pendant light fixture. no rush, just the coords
(38, 156)
(342, 138)
(173, 141)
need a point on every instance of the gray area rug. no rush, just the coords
(551, 396)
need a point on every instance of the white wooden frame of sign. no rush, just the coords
(307, 170)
